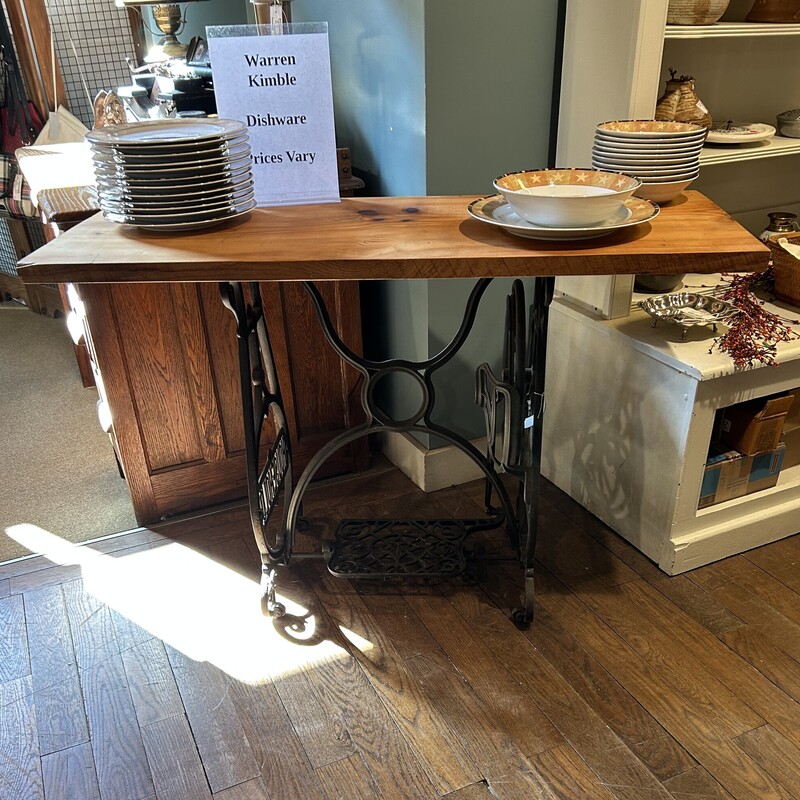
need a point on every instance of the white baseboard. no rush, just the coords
(432, 469)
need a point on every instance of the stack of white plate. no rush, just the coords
(173, 174)
(665, 156)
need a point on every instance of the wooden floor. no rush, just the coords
(141, 668)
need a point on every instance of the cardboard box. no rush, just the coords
(755, 426)
(730, 474)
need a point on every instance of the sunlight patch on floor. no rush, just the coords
(198, 606)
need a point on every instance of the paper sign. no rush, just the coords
(280, 87)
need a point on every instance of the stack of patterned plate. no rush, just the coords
(665, 156)
(173, 174)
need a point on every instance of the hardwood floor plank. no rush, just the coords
(293, 659)
(174, 761)
(94, 637)
(286, 773)
(698, 604)
(596, 686)
(696, 784)
(747, 575)
(348, 779)
(772, 662)
(588, 735)
(206, 695)
(674, 646)
(122, 767)
(13, 639)
(761, 616)
(119, 756)
(778, 757)
(371, 729)
(781, 560)
(70, 774)
(20, 768)
(153, 688)
(701, 606)
(677, 713)
(522, 784)
(432, 741)
(400, 624)
(250, 790)
(511, 706)
(488, 744)
(571, 555)
(477, 791)
(60, 714)
(568, 776)
(52, 576)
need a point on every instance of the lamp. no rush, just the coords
(169, 21)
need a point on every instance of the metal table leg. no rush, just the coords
(397, 547)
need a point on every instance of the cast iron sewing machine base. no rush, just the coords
(513, 406)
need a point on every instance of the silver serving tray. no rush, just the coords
(689, 309)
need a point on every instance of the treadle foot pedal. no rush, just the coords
(384, 548)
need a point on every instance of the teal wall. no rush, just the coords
(438, 97)
(432, 97)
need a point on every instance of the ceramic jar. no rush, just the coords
(680, 103)
(695, 12)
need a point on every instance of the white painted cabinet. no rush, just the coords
(627, 433)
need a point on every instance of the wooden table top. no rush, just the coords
(366, 238)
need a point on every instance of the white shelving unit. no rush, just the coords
(730, 154)
(730, 29)
(632, 430)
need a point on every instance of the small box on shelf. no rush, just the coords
(730, 474)
(755, 426)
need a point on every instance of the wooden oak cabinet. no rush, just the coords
(165, 363)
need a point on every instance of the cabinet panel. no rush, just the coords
(167, 354)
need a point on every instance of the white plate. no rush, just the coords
(173, 187)
(494, 210)
(741, 132)
(170, 148)
(179, 227)
(171, 209)
(166, 131)
(175, 198)
(161, 171)
(170, 157)
(180, 220)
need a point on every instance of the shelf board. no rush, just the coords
(731, 29)
(768, 148)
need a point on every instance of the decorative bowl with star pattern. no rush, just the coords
(566, 198)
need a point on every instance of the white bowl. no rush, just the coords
(650, 150)
(620, 165)
(681, 143)
(662, 192)
(687, 176)
(566, 198)
(649, 129)
(661, 173)
(607, 160)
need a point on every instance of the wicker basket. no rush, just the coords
(695, 12)
(786, 268)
